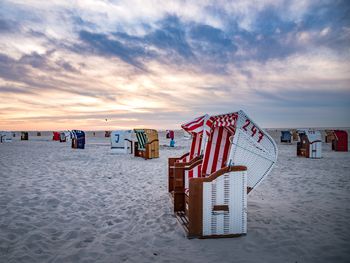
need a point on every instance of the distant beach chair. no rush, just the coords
(121, 141)
(330, 136)
(24, 136)
(56, 136)
(286, 136)
(310, 144)
(147, 145)
(63, 137)
(170, 134)
(237, 156)
(38, 134)
(199, 130)
(107, 134)
(295, 135)
(78, 139)
(5, 136)
(340, 141)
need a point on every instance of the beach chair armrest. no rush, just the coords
(172, 160)
(222, 171)
(184, 155)
(155, 140)
(189, 165)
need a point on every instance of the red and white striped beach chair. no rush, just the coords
(238, 155)
(199, 129)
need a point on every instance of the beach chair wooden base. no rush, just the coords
(171, 163)
(215, 206)
(151, 151)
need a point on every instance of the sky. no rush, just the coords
(101, 65)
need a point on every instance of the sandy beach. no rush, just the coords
(59, 204)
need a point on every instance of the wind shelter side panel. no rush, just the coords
(152, 143)
(254, 148)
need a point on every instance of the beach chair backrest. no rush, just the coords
(253, 148)
(145, 136)
(141, 139)
(218, 145)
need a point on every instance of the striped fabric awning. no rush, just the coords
(141, 139)
(229, 121)
(198, 125)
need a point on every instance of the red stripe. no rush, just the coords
(195, 126)
(192, 122)
(217, 150)
(190, 173)
(199, 145)
(190, 126)
(206, 155)
(226, 151)
(193, 145)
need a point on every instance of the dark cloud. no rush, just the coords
(102, 44)
(5, 26)
(66, 66)
(171, 37)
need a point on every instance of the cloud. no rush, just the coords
(162, 62)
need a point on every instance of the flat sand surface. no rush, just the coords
(59, 204)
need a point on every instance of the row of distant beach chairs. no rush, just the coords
(146, 145)
(310, 141)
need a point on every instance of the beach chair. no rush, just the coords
(147, 145)
(63, 137)
(330, 136)
(237, 156)
(340, 142)
(5, 136)
(24, 136)
(78, 139)
(121, 141)
(286, 136)
(295, 135)
(56, 136)
(310, 144)
(198, 129)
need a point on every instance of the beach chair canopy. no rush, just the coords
(145, 136)
(199, 128)
(118, 138)
(56, 136)
(77, 134)
(170, 134)
(286, 134)
(341, 141)
(312, 135)
(234, 139)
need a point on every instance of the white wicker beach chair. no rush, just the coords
(237, 156)
(121, 141)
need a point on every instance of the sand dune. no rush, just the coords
(63, 205)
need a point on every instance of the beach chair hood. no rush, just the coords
(251, 146)
(199, 128)
(121, 141)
